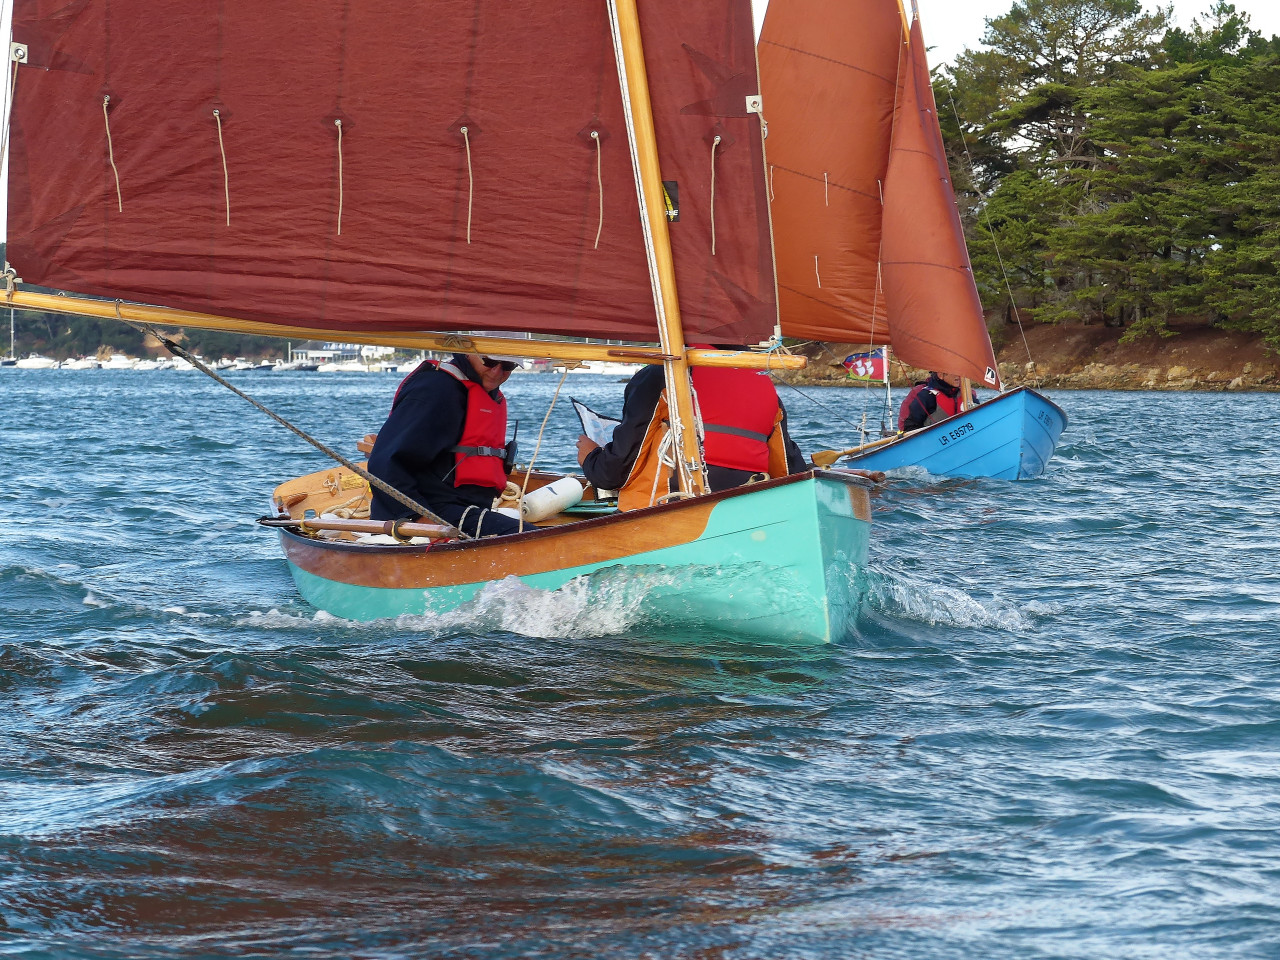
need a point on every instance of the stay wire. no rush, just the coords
(359, 471)
(537, 447)
(986, 216)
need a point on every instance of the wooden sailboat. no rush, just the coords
(403, 176)
(870, 248)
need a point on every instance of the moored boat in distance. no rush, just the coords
(118, 361)
(82, 363)
(35, 361)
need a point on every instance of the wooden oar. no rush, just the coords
(825, 458)
(400, 529)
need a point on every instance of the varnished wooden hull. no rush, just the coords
(779, 561)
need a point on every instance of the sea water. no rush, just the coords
(1053, 732)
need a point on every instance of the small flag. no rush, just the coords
(867, 366)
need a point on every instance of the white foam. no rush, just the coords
(944, 604)
(274, 619)
(583, 607)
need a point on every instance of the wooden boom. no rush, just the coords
(459, 343)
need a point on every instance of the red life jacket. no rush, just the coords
(739, 411)
(947, 406)
(479, 457)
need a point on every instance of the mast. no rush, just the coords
(634, 81)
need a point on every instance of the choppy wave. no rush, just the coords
(1050, 732)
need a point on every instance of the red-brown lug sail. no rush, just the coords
(337, 151)
(934, 309)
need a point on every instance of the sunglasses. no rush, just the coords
(507, 365)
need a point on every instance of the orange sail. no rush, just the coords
(829, 79)
(868, 240)
(934, 312)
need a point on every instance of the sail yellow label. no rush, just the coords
(671, 199)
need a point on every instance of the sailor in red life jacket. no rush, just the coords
(445, 444)
(930, 402)
(745, 435)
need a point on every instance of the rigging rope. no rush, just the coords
(359, 471)
(986, 214)
(815, 271)
(111, 153)
(839, 416)
(226, 179)
(595, 135)
(714, 143)
(471, 180)
(338, 124)
(8, 112)
(538, 446)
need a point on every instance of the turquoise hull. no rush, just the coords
(1012, 436)
(780, 561)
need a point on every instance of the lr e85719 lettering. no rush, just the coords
(956, 434)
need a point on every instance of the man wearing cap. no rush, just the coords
(445, 444)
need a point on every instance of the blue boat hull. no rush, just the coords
(1011, 436)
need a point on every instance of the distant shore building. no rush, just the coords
(313, 351)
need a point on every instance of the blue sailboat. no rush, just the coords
(870, 247)
(1010, 437)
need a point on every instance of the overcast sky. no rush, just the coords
(951, 25)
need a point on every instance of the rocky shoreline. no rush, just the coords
(1071, 357)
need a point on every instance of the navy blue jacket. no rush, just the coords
(412, 452)
(609, 466)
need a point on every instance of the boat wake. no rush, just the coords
(904, 596)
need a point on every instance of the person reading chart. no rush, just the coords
(745, 435)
